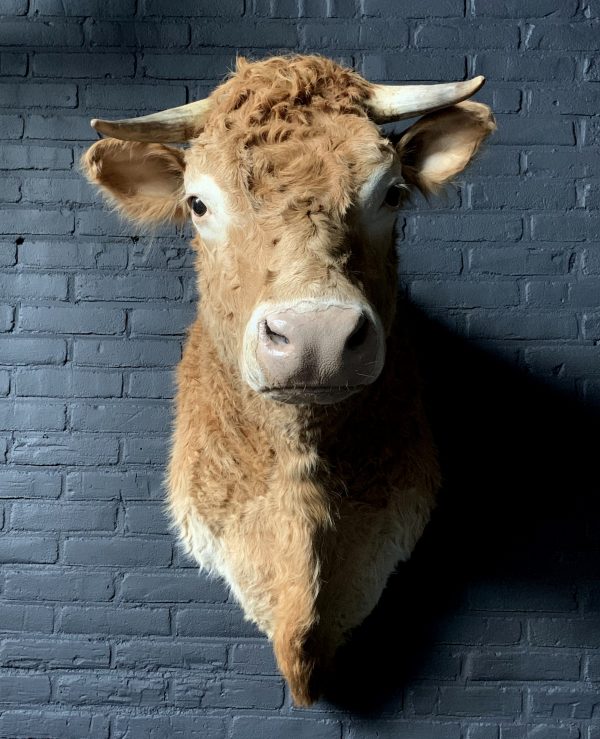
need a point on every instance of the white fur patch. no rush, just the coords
(213, 226)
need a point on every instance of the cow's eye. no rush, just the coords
(197, 207)
(395, 195)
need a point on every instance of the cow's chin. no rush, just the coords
(311, 395)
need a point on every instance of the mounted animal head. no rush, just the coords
(293, 191)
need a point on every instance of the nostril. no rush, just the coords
(358, 337)
(273, 336)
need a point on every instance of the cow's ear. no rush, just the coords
(144, 181)
(441, 144)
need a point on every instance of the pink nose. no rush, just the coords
(327, 346)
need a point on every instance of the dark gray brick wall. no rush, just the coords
(493, 630)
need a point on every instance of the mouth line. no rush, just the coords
(312, 388)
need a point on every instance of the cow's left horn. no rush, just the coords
(394, 102)
(174, 125)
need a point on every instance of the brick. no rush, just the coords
(230, 693)
(20, 618)
(559, 703)
(140, 35)
(52, 190)
(522, 596)
(581, 101)
(113, 486)
(129, 353)
(37, 95)
(132, 97)
(54, 654)
(27, 221)
(33, 286)
(10, 190)
(571, 226)
(27, 549)
(68, 382)
(6, 318)
(373, 34)
(148, 450)
(524, 195)
(146, 519)
(53, 725)
(533, 66)
(109, 689)
(151, 384)
(546, 293)
(4, 383)
(253, 659)
(211, 621)
(23, 415)
(539, 130)
(11, 126)
(412, 8)
(15, 7)
(562, 36)
(462, 294)
(72, 319)
(72, 517)
(413, 729)
(527, 9)
(193, 8)
(518, 260)
(59, 585)
(123, 416)
(155, 727)
(60, 127)
(468, 227)
(265, 34)
(187, 66)
(161, 321)
(8, 254)
(532, 666)
(40, 33)
(565, 632)
(413, 66)
(419, 259)
(522, 325)
(460, 701)
(120, 552)
(179, 587)
(24, 689)
(540, 731)
(455, 34)
(14, 65)
(71, 449)
(82, 8)
(174, 653)
(111, 620)
(290, 728)
(29, 484)
(85, 65)
(127, 287)
(70, 255)
(476, 631)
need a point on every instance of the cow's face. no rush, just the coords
(293, 196)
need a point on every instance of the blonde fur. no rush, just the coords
(303, 509)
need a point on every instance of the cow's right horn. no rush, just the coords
(174, 125)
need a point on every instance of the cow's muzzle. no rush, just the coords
(313, 351)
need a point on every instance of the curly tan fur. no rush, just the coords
(304, 510)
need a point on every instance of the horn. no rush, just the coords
(174, 125)
(395, 102)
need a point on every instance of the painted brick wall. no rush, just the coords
(493, 630)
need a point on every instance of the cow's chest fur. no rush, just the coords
(304, 514)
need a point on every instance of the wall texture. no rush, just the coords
(493, 631)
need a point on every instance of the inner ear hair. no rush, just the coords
(440, 145)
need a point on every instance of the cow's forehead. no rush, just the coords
(287, 130)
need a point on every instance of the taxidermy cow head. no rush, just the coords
(302, 468)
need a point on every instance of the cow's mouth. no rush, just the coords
(311, 394)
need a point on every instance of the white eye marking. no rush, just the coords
(213, 219)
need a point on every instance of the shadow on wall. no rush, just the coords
(517, 527)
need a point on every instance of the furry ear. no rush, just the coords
(441, 144)
(144, 181)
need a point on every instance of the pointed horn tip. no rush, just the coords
(478, 82)
(94, 123)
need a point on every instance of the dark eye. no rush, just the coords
(394, 196)
(197, 206)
